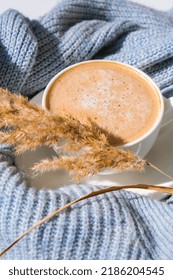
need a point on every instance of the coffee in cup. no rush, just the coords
(121, 100)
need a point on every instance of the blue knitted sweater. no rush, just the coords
(119, 225)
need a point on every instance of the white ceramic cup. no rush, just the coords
(141, 146)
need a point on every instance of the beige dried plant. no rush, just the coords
(88, 149)
(91, 161)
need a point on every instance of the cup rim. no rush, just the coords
(138, 71)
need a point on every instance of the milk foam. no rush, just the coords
(116, 98)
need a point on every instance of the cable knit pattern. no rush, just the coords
(119, 225)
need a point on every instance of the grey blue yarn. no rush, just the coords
(119, 225)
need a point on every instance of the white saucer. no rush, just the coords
(161, 155)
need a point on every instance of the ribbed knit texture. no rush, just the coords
(119, 225)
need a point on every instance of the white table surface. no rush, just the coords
(35, 8)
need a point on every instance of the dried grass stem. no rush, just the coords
(161, 189)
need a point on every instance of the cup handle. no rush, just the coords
(168, 113)
(138, 149)
(135, 150)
